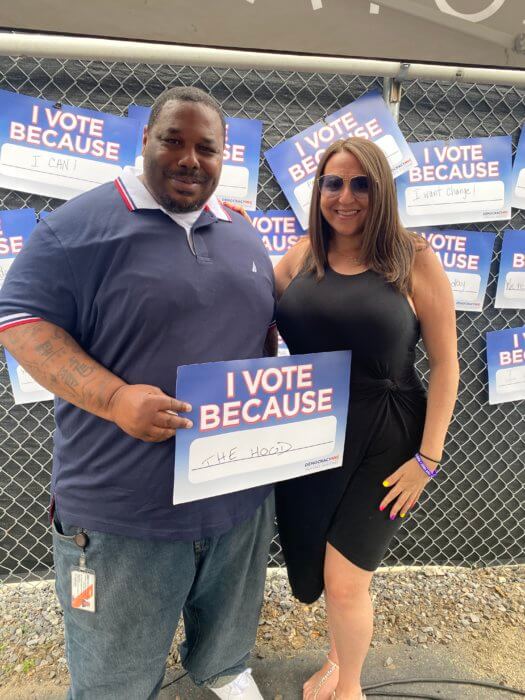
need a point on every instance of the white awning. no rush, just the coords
(454, 32)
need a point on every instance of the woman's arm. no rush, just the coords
(434, 305)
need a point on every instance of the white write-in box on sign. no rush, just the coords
(520, 185)
(50, 173)
(26, 382)
(234, 182)
(464, 285)
(454, 198)
(514, 285)
(391, 150)
(510, 379)
(5, 264)
(260, 448)
(303, 193)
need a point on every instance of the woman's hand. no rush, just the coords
(406, 486)
(239, 209)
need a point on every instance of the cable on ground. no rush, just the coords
(384, 684)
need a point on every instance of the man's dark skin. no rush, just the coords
(182, 166)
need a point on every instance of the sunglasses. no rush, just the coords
(331, 185)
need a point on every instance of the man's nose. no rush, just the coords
(189, 159)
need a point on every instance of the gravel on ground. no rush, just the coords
(480, 609)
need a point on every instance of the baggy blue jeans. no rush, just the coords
(119, 652)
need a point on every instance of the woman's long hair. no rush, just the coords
(387, 247)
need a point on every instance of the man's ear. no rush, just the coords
(144, 138)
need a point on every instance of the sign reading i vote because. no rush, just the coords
(60, 152)
(279, 230)
(518, 174)
(242, 150)
(294, 162)
(511, 279)
(15, 228)
(465, 257)
(506, 365)
(459, 181)
(260, 421)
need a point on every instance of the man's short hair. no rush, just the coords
(184, 94)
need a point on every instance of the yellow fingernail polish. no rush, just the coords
(402, 515)
(385, 483)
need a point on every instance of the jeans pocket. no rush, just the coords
(65, 533)
(57, 532)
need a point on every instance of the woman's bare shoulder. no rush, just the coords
(290, 264)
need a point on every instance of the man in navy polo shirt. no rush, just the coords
(113, 292)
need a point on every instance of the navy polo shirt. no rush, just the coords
(116, 272)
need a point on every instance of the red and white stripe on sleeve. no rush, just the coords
(12, 320)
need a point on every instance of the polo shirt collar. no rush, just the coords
(136, 196)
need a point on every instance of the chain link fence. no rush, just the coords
(473, 515)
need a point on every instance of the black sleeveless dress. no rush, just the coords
(367, 315)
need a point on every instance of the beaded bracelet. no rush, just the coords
(429, 472)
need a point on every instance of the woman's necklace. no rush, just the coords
(352, 259)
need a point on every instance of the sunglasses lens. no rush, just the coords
(359, 185)
(331, 183)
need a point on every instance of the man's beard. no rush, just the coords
(175, 207)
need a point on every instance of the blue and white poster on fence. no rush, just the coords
(242, 151)
(465, 257)
(511, 279)
(506, 365)
(240, 168)
(260, 421)
(455, 182)
(141, 115)
(60, 152)
(25, 389)
(279, 230)
(15, 228)
(518, 173)
(294, 162)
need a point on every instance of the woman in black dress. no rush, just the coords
(360, 281)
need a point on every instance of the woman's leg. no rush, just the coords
(350, 619)
(316, 684)
(349, 610)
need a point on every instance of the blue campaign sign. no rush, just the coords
(511, 279)
(506, 365)
(25, 389)
(294, 162)
(279, 230)
(15, 228)
(260, 421)
(458, 181)
(242, 151)
(240, 170)
(518, 173)
(466, 258)
(60, 152)
(141, 115)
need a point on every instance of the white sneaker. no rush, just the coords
(241, 687)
